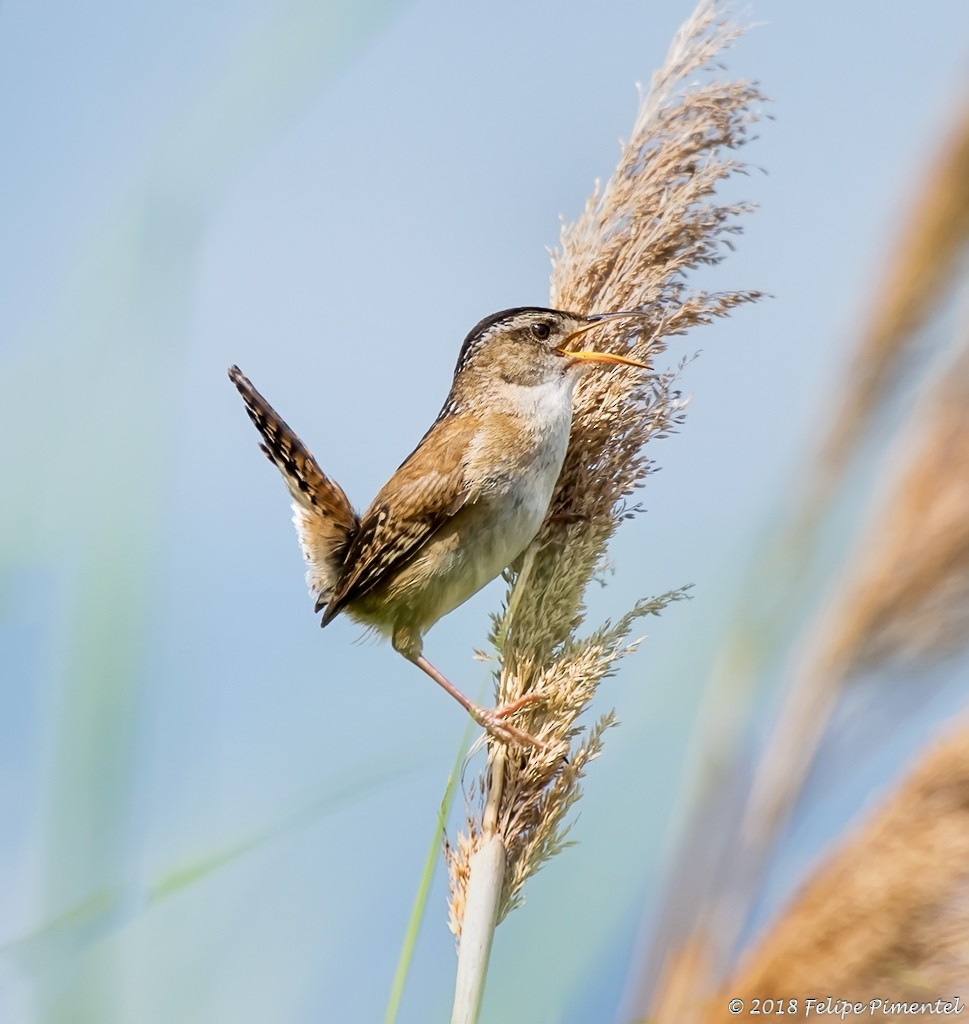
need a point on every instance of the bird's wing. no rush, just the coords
(429, 488)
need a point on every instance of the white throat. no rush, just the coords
(544, 404)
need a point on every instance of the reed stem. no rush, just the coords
(480, 917)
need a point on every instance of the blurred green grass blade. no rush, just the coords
(341, 794)
(126, 305)
(64, 935)
(107, 910)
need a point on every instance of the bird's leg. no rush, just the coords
(408, 642)
(492, 719)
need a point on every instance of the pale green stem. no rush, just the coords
(487, 864)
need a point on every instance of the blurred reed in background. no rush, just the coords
(886, 912)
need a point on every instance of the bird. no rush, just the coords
(465, 503)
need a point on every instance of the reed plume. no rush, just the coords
(899, 602)
(655, 220)
(902, 602)
(904, 598)
(885, 916)
(925, 260)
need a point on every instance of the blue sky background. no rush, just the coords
(331, 194)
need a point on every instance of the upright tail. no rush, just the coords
(322, 514)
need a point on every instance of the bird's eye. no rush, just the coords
(541, 330)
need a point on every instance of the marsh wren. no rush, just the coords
(463, 505)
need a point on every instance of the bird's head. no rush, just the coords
(530, 346)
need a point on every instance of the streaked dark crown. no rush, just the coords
(483, 328)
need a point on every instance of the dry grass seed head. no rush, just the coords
(903, 598)
(925, 258)
(888, 914)
(911, 597)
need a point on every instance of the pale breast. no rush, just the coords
(519, 458)
(517, 462)
(514, 460)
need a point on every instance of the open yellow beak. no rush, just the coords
(584, 356)
(600, 357)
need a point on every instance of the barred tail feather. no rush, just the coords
(322, 514)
